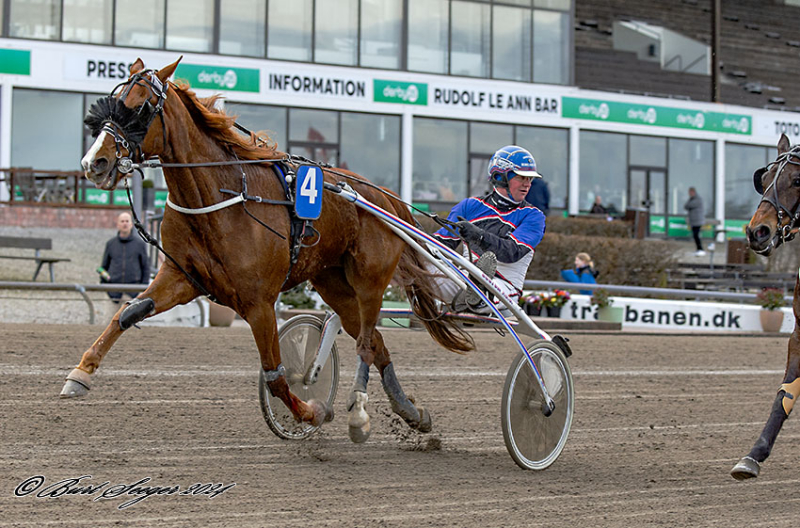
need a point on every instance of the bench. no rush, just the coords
(36, 244)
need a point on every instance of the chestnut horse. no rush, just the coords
(240, 255)
(776, 221)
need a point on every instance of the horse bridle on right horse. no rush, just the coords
(784, 229)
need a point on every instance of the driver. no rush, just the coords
(501, 229)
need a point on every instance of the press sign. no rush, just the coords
(308, 192)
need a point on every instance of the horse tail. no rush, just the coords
(423, 295)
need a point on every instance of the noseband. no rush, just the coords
(784, 229)
(128, 126)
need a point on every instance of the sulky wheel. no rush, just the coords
(299, 338)
(534, 440)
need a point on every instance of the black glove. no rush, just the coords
(469, 232)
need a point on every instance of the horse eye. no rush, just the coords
(796, 182)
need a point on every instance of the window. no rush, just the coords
(35, 19)
(551, 47)
(261, 118)
(648, 151)
(470, 39)
(289, 34)
(39, 113)
(241, 27)
(484, 140)
(603, 169)
(336, 39)
(139, 23)
(741, 161)
(190, 25)
(381, 21)
(691, 164)
(428, 24)
(511, 49)
(315, 135)
(550, 149)
(440, 161)
(370, 146)
(87, 21)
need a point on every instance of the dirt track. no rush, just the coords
(659, 423)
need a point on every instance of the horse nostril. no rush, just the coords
(99, 165)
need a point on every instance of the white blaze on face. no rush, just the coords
(87, 160)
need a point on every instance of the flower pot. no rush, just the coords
(532, 310)
(219, 315)
(771, 320)
(611, 314)
(554, 311)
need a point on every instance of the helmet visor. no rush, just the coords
(529, 173)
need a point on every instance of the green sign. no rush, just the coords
(678, 228)
(639, 114)
(160, 200)
(16, 62)
(219, 77)
(399, 92)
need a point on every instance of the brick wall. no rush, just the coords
(51, 216)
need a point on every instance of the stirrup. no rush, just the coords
(487, 263)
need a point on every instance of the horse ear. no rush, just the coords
(167, 71)
(137, 66)
(783, 144)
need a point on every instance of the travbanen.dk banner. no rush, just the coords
(652, 314)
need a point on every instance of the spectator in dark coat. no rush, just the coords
(539, 195)
(125, 258)
(696, 217)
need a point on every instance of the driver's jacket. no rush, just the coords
(511, 230)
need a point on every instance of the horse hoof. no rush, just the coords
(425, 423)
(746, 468)
(322, 413)
(359, 435)
(73, 389)
(77, 384)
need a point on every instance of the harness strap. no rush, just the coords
(209, 209)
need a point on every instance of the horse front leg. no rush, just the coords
(750, 466)
(263, 322)
(169, 289)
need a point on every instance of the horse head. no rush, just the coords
(122, 125)
(778, 214)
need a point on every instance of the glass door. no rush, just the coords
(647, 192)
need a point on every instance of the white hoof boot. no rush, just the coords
(358, 420)
(77, 384)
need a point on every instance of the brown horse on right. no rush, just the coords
(775, 222)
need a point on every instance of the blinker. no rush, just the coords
(758, 182)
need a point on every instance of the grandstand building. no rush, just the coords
(613, 97)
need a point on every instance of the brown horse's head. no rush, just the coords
(778, 214)
(122, 121)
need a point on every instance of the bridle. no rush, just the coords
(129, 126)
(788, 220)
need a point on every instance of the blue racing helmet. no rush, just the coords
(510, 161)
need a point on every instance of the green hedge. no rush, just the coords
(584, 226)
(620, 261)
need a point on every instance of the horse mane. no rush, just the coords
(219, 126)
